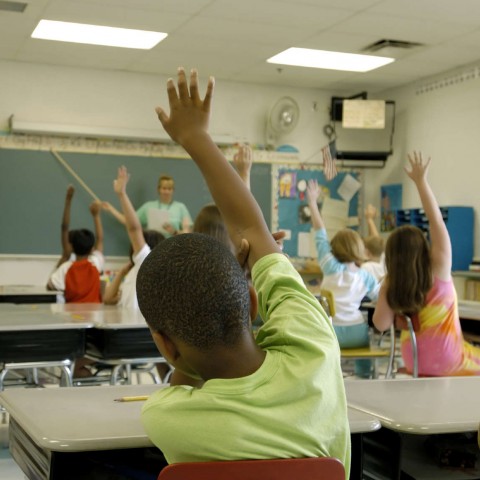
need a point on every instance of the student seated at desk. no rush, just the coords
(374, 246)
(121, 291)
(231, 397)
(79, 278)
(340, 262)
(419, 284)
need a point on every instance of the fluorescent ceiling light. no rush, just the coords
(307, 57)
(97, 34)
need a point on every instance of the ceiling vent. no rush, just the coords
(12, 6)
(391, 48)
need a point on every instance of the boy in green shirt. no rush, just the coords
(234, 397)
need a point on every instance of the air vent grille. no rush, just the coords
(385, 43)
(18, 7)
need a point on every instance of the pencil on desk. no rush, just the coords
(140, 398)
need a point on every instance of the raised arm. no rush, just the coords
(95, 208)
(370, 216)
(187, 124)
(132, 223)
(441, 249)
(65, 226)
(313, 192)
(114, 212)
(242, 161)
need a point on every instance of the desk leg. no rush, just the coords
(356, 464)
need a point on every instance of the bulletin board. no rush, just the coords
(339, 206)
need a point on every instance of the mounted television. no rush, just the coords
(363, 146)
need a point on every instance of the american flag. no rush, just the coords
(329, 166)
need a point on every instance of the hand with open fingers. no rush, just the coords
(313, 191)
(242, 160)
(418, 166)
(189, 114)
(120, 183)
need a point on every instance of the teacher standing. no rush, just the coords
(179, 219)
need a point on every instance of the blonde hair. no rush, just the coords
(374, 244)
(347, 246)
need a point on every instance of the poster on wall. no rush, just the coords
(391, 200)
(338, 205)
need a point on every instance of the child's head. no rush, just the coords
(409, 271)
(210, 222)
(82, 240)
(374, 246)
(347, 246)
(192, 290)
(152, 238)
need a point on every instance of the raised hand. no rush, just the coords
(70, 192)
(313, 191)
(120, 183)
(370, 212)
(189, 114)
(418, 167)
(95, 207)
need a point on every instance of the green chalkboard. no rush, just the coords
(33, 186)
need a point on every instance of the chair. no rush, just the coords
(405, 323)
(374, 352)
(275, 469)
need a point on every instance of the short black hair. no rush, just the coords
(82, 241)
(191, 287)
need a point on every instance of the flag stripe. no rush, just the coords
(329, 165)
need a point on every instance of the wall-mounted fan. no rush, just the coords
(282, 119)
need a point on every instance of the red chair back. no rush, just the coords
(274, 469)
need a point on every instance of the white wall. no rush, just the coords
(443, 123)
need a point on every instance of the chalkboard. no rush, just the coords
(33, 186)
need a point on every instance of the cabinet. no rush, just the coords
(459, 222)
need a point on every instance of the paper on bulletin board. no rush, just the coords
(348, 188)
(306, 245)
(335, 215)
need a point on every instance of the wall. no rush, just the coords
(443, 123)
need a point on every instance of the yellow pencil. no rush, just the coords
(140, 398)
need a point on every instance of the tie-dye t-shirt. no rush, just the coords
(442, 351)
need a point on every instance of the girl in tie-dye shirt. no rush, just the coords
(419, 284)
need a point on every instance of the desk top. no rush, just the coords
(100, 315)
(88, 418)
(26, 290)
(23, 319)
(420, 406)
(469, 310)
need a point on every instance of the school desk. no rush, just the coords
(28, 294)
(31, 339)
(49, 426)
(415, 407)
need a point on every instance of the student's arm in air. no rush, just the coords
(187, 124)
(370, 215)
(65, 227)
(114, 212)
(441, 249)
(95, 208)
(112, 290)
(313, 192)
(383, 316)
(242, 161)
(132, 223)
